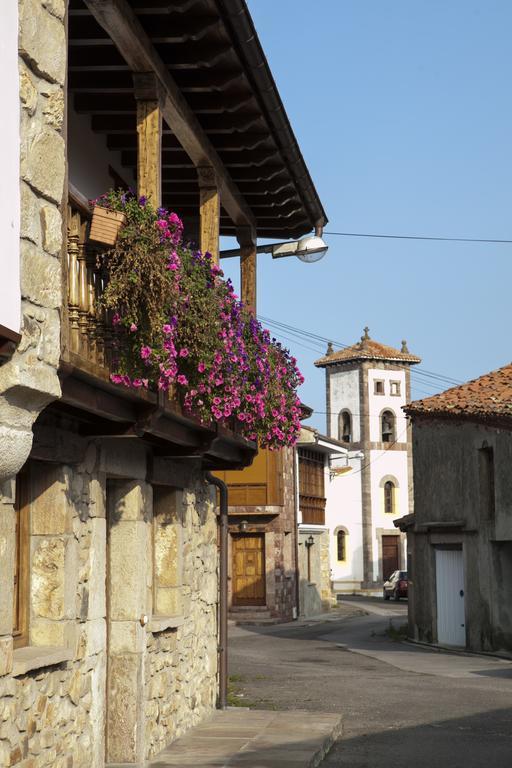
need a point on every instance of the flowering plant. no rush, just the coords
(179, 323)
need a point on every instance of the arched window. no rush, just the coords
(341, 542)
(345, 427)
(387, 421)
(389, 497)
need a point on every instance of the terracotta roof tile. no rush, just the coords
(486, 397)
(368, 349)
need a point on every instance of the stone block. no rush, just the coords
(51, 224)
(124, 461)
(5, 655)
(54, 570)
(57, 7)
(42, 158)
(51, 512)
(97, 501)
(60, 634)
(42, 40)
(96, 636)
(40, 276)
(167, 553)
(15, 445)
(127, 570)
(28, 89)
(97, 568)
(169, 601)
(126, 637)
(7, 523)
(30, 222)
(125, 726)
(53, 106)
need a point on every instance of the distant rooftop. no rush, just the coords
(367, 349)
(487, 397)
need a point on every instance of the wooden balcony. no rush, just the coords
(103, 409)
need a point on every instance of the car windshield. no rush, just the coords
(402, 575)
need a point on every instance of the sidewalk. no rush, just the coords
(245, 738)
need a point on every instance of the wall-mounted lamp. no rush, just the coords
(309, 541)
(243, 526)
(308, 249)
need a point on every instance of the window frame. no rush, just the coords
(389, 497)
(376, 383)
(396, 384)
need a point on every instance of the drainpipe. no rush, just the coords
(296, 526)
(223, 590)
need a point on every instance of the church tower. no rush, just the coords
(366, 386)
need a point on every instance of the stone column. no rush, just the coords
(129, 582)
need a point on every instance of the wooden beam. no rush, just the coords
(123, 27)
(246, 237)
(149, 135)
(209, 212)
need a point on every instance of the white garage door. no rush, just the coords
(450, 597)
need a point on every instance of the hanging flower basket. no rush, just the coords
(105, 225)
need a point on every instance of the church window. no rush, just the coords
(341, 545)
(378, 388)
(345, 427)
(389, 497)
(388, 427)
(394, 388)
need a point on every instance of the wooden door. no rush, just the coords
(248, 571)
(390, 555)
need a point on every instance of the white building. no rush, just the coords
(366, 386)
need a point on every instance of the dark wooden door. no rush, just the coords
(390, 555)
(248, 571)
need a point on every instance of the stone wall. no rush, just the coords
(184, 661)
(70, 696)
(28, 381)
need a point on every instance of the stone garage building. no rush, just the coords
(460, 536)
(108, 531)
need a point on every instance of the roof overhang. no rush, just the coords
(223, 107)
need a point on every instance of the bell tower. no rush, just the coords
(366, 386)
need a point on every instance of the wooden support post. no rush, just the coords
(209, 212)
(246, 237)
(149, 133)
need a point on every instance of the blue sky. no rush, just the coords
(403, 112)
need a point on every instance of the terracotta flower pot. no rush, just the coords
(105, 225)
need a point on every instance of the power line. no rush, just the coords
(422, 237)
(314, 338)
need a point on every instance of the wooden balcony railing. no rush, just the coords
(89, 329)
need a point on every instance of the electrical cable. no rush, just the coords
(493, 241)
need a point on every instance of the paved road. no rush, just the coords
(403, 706)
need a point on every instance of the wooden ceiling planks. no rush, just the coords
(195, 44)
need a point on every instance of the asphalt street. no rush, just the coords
(403, 706)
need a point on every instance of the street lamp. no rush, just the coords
(309, 543)
(308, 249)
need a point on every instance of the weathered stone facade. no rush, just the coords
(28, 381)
(115, 667)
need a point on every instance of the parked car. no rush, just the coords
(395, 586)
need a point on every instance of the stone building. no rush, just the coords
(366, 386)
(314, 456)
(460, 535)
(108, 530)
(263, 538)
